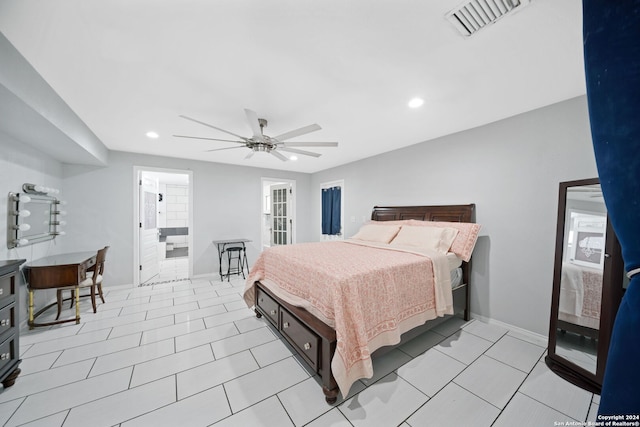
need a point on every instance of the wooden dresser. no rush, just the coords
(9, 322)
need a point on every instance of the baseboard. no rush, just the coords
(526, 332)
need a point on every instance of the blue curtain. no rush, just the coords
(611, 35)
(331, 199)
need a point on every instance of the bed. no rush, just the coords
(580, 299)
(360, 295)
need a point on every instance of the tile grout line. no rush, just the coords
(468, 366)
(238, 332)
(551, 407)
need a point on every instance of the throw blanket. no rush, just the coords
(580, 295)
(571, 289)
(369, 293)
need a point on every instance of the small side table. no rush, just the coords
(221, 246)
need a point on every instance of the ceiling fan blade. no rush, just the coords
(278, 155)
(213, 127)
(298, 132)
(293, 150)
(250, 155)
(252, 118)
(220, 149)
(208, 139)
(310, 144)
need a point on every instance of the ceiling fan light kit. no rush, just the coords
(260, 142)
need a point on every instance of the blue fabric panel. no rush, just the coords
(335, 210)
(331, 199)
(611, 33)
(326, 211)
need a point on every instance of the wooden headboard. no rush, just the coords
(450, 213)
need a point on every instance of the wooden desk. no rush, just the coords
(222, 244)
(63, 271)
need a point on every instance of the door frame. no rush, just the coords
(272, 181)
(137, 170)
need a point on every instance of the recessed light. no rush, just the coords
(416, 102)
(152, 135)
(294, 158)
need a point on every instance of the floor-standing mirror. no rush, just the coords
(587, 285)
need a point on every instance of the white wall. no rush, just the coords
(177, 213)
(510, 169)
(177, 207)
(227, 203)
(19, 164)
(32, 111)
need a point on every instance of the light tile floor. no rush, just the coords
(171, 270)
(190, 353)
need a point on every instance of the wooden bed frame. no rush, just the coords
(586, 331)
(315, 341)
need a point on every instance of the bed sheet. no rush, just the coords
(369, 293)
(580, 295)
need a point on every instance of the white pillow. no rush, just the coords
(377, 233)
(434, 238)
(464, 242)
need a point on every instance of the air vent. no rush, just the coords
(472, 16)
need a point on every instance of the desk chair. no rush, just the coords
(235, 254)
(93, 281)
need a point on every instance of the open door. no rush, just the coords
(149, 265)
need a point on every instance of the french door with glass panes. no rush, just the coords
(281, 223)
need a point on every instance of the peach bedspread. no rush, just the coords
(370, 294)
(580, 295)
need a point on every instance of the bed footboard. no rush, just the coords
(314, 341)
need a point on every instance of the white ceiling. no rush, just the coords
(126, 67)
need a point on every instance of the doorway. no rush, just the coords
(277, 219)
(163, 231)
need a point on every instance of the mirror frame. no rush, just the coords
(14, 234)
(612, 291)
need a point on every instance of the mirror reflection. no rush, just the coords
(581, 276)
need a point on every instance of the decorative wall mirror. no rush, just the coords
(33, 216)
(587, 285)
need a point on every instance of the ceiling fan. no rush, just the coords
(261, 142)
